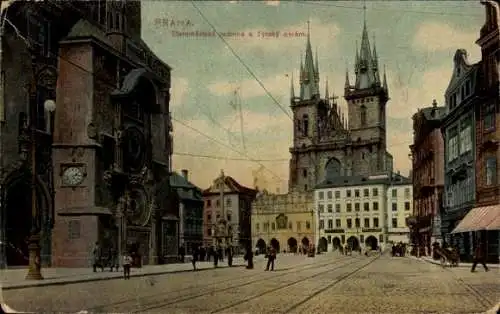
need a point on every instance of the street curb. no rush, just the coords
(61, 283)
(439, 264)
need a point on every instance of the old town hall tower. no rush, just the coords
(326, 145)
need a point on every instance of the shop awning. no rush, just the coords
(479, 218)
(495, 224)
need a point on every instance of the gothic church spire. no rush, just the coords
(309, 85)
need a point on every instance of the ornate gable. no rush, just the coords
(461, 69)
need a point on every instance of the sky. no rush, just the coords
(216, 128)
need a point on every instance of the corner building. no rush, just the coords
(283, 221)
(362, 212)
(427, 153)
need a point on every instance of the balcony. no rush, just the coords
(334, 231)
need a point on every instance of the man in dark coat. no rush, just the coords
(479, 257)
(270, 258)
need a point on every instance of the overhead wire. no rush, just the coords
(276, 102)
(18, 33)
(331, 4)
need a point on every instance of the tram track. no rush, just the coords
(156, 306)
(486, 302)
(244, 281)
(299, 281)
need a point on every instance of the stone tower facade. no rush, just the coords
(325, 145)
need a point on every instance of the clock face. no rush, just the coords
(72, 176)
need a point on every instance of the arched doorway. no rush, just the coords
(323, 244)
(261, 246)
(371, 243)
(305, 242)
(353, 243)
(17, 219)
(336, 243)
(275, 244)
(292, 245)
(332, 169)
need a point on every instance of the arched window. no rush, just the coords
(363, 115)
(332, 169)
(305, 125)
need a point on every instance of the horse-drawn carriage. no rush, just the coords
(448, 256)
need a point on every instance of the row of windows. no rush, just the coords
(459, 143)
(357, 207)
(357, 223)
(460, 95)
(298, 225)
(218, 216)
(217, 203)
(357, 193)
(460, 192)
(489, 117)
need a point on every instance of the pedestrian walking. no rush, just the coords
(220, 254)
(479, 257)
(230, 256)
(196, 253)
(216, 258)
(113, 258)
(270, 258)
(97, 257)
(127, 263)
(182, 253)
(249, 257)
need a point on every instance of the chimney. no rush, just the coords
(185, 174)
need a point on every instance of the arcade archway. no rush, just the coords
(292, 245)
(336, 243)
(305, 242)
(261, 246)
(323, 244)
(17, 219)
(353, 243)
(275, 244)
(371, 243)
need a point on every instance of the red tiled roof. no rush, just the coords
(234, 186)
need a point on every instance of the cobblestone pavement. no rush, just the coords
(327, 283)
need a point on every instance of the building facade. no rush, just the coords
(400, 206)
(458, 129)
(325, 145)
(190, 212)
(351, 211)
(237, 208)
(283, 221)
(427, 153)
(488, 128)
(99, 177)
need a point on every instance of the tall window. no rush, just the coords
(491, 171)
(367, 222)
(330, 223)
(321, 224)
(375, 192)
(366, 207)
(394, 193)
(375, 222)
(330, 208)
(305, 125)
(375, 205)
(349, 223)
(394, 222)
(363, 115)
(357, 222)
(465, 137)
(338, 223)
(348, 207)
(394, 207)
(489, 117)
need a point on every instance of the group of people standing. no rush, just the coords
(100, 261)
(398, 249)
(215, 253)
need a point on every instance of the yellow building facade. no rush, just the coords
(284, 221)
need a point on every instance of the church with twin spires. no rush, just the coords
(329, 143)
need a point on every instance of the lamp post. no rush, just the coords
(34, 271)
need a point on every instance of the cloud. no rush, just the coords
(406, 97)
(272, 3)
(204, 170)
(399, 138)
(179, 92)
(437, 36)
(289, 38)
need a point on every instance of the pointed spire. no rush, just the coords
(327, 95)
(316, 69)
(292, 92)
(301, 74)
(356, 64)
(309, 85)
(385, 81)
(347, 84)
(366, 69)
